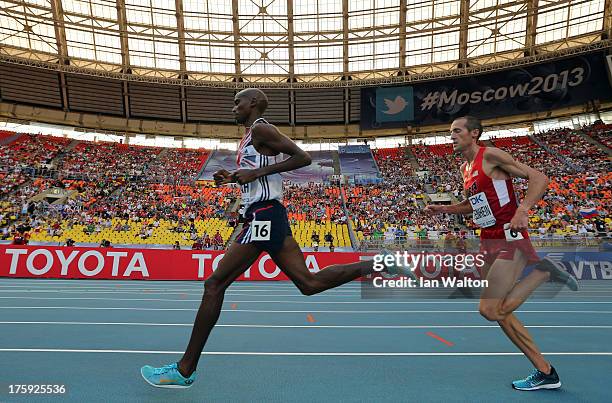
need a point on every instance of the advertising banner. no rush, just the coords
(142, 264)
(584, 265)
(537, 88)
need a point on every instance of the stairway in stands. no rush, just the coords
(60, 155)
(552, 152)
(336, 159)
(163, 153)
(414, 163)
(349, 221)
(71, 145)
(8, 137)
(596, 143)
(234, 208)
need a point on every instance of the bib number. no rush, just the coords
(261, 230)
(512, 235)
(482, 215)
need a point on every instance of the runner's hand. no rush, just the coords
(222, 177)
(243, 176)
(433, 209)
(520, 220)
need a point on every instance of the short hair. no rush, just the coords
(259, 95)
(472, 123)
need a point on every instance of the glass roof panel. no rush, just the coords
(92, 31)
(25, 26)
(495, 29)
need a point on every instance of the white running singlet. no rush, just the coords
(269, 187)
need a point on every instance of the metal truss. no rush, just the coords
(265, 42)
(104, 71)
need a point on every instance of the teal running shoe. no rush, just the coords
(167, 376)
(538, 380)
(396, 270)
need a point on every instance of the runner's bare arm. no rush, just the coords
(462, 208)
(538, 182)
(269, 141)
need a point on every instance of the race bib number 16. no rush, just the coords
(260, 230)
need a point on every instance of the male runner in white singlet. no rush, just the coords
(266, 230)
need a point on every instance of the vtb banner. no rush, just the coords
(536, 88)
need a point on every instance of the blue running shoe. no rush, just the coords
(167, 376)
(538, 380)
(557, 273)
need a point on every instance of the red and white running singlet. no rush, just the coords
(493, 201)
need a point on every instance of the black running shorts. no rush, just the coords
(265, 225)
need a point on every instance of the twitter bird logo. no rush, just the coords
(394, 104)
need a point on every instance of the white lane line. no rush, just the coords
(290, 292)
(304, 326)
(338, 298)
(153, 283)
(157, 283)
(85, 308)
(305, 354)
(247, 294)
(255, 293)
(262, 285)
(156, 289)
(394, 302)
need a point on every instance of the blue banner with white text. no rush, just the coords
(584, 265)
(542, 87)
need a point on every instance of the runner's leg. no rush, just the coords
(521, 338)
(237, 259)
(494, 301)
(523, 289)
(291, 261)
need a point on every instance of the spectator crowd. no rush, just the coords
(113, 192)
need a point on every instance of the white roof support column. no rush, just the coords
(463, 33)
(62, 46)
(530, 28)
(402, 36)
(607, 23)
(125, 53)
(236, 24)
(180, 24)
(345, 47)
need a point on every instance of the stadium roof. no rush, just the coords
(292, 41)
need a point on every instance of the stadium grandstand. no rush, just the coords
(130, 120)
(114, 115)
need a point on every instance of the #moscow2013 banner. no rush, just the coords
(536, 88)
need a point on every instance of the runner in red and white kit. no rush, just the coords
(494, 205)
(487, 176)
